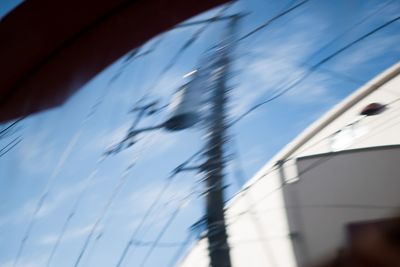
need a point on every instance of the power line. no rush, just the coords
(333, 55)
(364, 19)
(165, 228)
(268, 22)
(106, 209)
(67, 151)
(146, 215)
(73, 211)
(180, 250)
(130, 58)
(118, 187)
(309, 168)
(4, 131)
(151, 208)
(330, 135)
(312, 69)
(65, 154)
(196, 35)
(243, 192)
(13, 143)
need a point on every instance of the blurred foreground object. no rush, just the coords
(49, 49)
(371, 244)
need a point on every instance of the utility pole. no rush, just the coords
(214, 165)
(213, 78)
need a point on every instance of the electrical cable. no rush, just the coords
(322, 62)
(118, 187)
(196, 35)
(269, 21)
(164, 229)
(65, 154)
(285, 90)
(312, 69)
(7, 148)
(276, 167)
(364, 19)
(180, 250)
(132, 56)
(73, 211)
(103, 217)
(4, 131)
(152, 207)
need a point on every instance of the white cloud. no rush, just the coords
(71, 234)
(268, 73)
(51, 204)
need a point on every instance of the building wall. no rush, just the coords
(336, 189)
(260, 233)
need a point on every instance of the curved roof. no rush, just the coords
(49, 49)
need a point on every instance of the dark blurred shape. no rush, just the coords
(370, 244)
(49, 49)
(185, 106)
(373, 109)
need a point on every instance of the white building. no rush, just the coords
(343, 169)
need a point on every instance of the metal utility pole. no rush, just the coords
(214, 165)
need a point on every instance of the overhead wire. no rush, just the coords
(65, 154)
(182, 247)
(312, 69)
(269, 21)
(165, 228)
(73, 212)
(106, 208)
(175, 59)
(7, 132)
(132, 56)
(103, 216)
(152, 206)
(117, 188)
(196, 35)
(351, 28)
(339, 52)
(323, 62)
(265, 24)
(9, 146)
(126, 249)
(135, 54)
(276, 167)
(4, 131)
(312, 166)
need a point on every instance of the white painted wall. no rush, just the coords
(258, 225)
(336, 189)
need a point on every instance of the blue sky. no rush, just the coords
(263, 63)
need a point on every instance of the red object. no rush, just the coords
(372, 109)
(49, 49)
